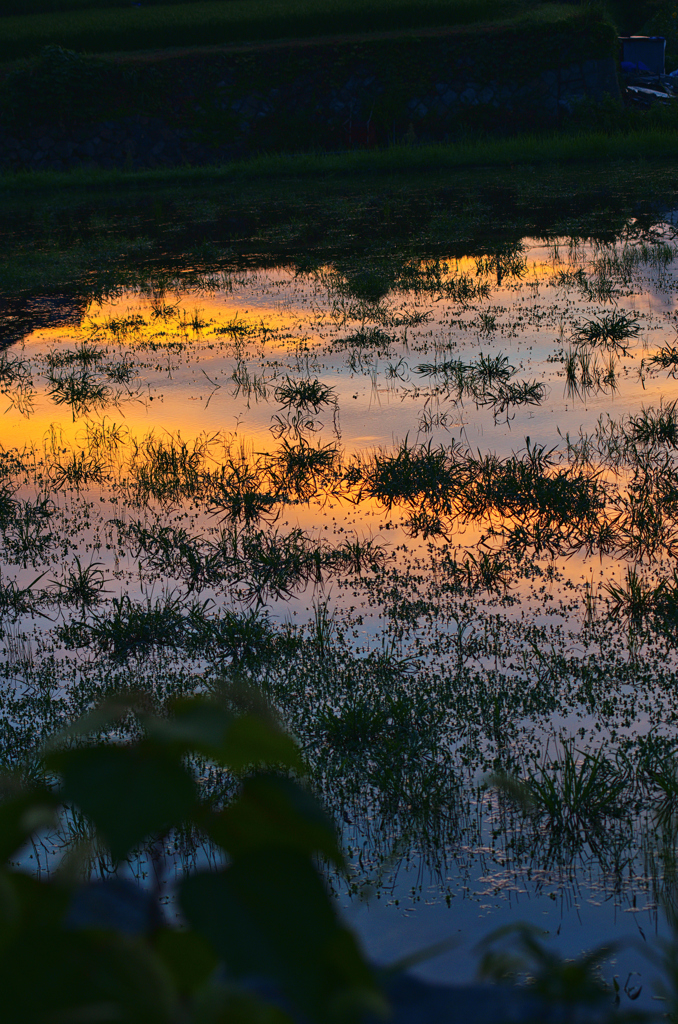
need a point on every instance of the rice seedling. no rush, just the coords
(131, 629)
(106, 437)
(16, 601)
(9, 506)
(29, 536)
(487, 323)
(575, 795)
(81, 389)
(82, 586)
(665, 359)
(77, 469)
(160, 310)
(358, 556)
(170, 469)
(464, 290)
(85, 354)
(485, 382)
(275, 565)
(411, 318)
(621, 263)
(524, 392)
(304, 395)
(417, 475)
(631, 600)
(609, 331)
(14, 373)
(655, 427)
(196, 323)
(122, 372)
(488, 571)
(242, 640)
(241, 491)
(301, 470)
(172, 552)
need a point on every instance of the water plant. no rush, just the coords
(79, 388)
(609, 331)
(82, 586)
(304, 395)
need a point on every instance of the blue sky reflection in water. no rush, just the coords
(432, 509)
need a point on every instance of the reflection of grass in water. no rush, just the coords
(301, 470)
(368, 337)
(14, 372)
(655, 426)
(16, 383)
(585, 373)
(81, 389)
(248, 384)
(486, 382)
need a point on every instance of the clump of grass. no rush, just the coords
(16, 383)
(487, 571)
(81, 389)
(161, 310)
(486, 382)
(241, 490)
(132, 628)
(574, 796)
(655, 426)
(487, 323)
(82, 586)
(86, 355)
(305, 395)
(16, 601)
(665, 359)
(359, 556)
(609, 331)
(14, 372)
(585, 373)
(77, 469)
(122, 372)
(244, 639)
(300, 470)
(631, 600)
(168, 469)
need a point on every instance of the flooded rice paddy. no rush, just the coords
(430, 508)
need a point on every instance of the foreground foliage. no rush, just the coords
(107, 950)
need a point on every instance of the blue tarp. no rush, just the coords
(629, 66)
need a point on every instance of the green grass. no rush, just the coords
(109, 28)
(651, 145)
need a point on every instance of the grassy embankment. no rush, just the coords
(106, 28)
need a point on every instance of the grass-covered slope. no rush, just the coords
(99, 26)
